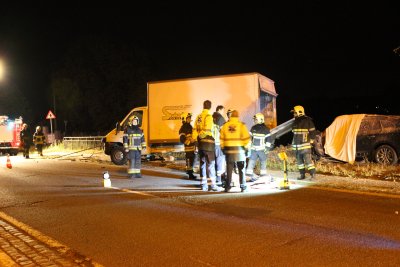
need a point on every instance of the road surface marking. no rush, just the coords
(387, 195)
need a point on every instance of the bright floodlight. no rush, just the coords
(1, 70)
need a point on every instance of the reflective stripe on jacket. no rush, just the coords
(134, 138)
(38, 138)
(202, 130)
(235, 139)
(185, 136)
(260, 137)
(303, 132)
(216, 134)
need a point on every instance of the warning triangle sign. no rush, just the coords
(50, 115)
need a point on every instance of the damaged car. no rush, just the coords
(361, 136)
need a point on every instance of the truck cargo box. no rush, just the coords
(248, 93)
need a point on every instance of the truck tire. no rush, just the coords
(118, 155)
(385, 154)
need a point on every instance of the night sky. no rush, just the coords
(331, 58)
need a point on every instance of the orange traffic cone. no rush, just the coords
(8, 162)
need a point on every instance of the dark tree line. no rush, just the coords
(13, 103)
(98, 83)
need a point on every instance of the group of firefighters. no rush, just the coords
(223, 146)
(26, 140)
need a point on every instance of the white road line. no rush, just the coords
(387, 195)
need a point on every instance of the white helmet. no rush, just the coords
(134, 118)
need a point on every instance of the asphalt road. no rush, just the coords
(165, 220)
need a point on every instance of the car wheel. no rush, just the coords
(385, 155)
(118, 155)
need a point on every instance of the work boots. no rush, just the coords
(191, 175)
(302, 175)
(313, 174)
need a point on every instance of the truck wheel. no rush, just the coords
(385, 155)
(118, 155)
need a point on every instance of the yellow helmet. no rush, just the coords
(298, 111)
(134, 118)
(258, 118)
(185, 115)
(38, 128)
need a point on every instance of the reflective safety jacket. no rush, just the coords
(216, 134)
(185, 136)
(235, 139)
(134, 138)
(219, 120)
(38, 138)
(303, 133)
(202, 130)
(260, 137)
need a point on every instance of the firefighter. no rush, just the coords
(134, 142)
(303, 136)
(185, 136)
(206, 145)
(39, 140)
(26, 139)
(235, 142)
(260, 145)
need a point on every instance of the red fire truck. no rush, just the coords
(9, 135)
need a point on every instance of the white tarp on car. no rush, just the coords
(341, 136)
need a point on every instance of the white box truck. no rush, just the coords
(249, 93)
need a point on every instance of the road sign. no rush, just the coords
(50, 115)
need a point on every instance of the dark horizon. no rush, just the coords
(330, 59)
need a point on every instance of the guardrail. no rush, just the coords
(83, 142)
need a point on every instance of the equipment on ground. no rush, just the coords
(106, 179)
(8, 162)
(284, 183)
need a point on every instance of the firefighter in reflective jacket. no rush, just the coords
(39, 140)
(206, 145)
(303, 136)
(134, 142)
(260, 145)
(235, 142)
(185, 136)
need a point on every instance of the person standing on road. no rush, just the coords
(219, 120)
(39, 140)
(26, 139)
(235, 142)
(185, 136)
(260, 145)
(206, 145)
(134, 142)
(303, 136)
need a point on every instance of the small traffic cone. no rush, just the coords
(8, 162)
(106, 179)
